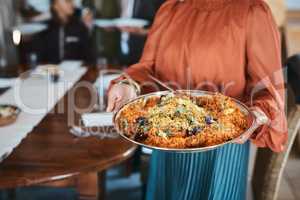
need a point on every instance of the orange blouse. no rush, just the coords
(232, 46)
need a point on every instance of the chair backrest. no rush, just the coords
(269, 166)
(294, 79)
(293, 64)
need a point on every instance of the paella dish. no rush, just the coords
(181, 121)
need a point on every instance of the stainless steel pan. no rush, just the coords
(255, 121)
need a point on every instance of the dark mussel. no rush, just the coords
(209, 120)
(196, 130)
(142, 121)
(141, 136)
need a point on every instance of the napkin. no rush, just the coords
(97, 119)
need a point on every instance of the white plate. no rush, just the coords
(130, 22)
(97, 119)
(103, 23)
(30, 29)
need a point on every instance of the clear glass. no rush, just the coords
(102, 86)
(102, 63)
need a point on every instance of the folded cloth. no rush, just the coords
(97, 119)
(7, 82)
(99, 132)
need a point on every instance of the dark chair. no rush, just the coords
(269, 166)
(294, 80)
(293, 64)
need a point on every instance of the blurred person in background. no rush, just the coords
(67, 36)
(133, 39)
(124, 45)
(106, 40)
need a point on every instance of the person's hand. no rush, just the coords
(118, 95)
(261, 119)
(243, 139)
(134, 30)
(88, 18)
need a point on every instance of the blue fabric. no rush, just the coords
(220, 174)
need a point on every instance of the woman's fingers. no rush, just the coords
(119, 95)
(111, 104)
(113, 99)
(240, 141)
(243, 139)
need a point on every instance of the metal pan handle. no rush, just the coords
(260, 119)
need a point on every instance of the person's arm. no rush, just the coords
(88, 49)
(265, 83)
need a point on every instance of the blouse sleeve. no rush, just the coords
(265, 83)
(146, 66)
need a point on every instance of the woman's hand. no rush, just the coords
(88, 18)
(118, 95)
(243, 139)
(261, 119)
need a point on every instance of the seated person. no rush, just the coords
(67, 37)
(133, 39)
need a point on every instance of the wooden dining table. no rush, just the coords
(50, 155)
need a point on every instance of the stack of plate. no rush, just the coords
(121, 22)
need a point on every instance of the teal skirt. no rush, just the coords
(220, 174)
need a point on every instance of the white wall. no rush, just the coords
(293, 4)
